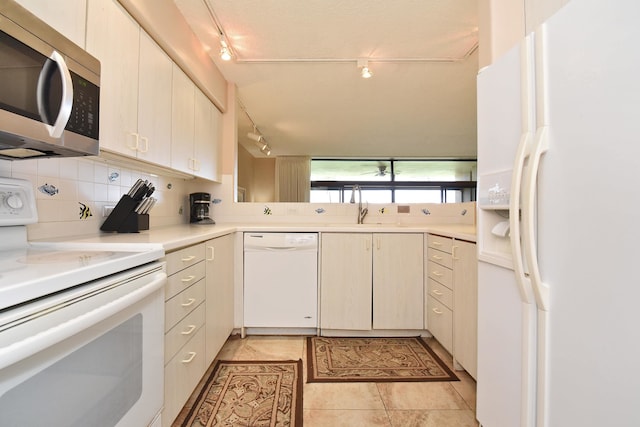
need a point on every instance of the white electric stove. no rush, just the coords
(81, 326)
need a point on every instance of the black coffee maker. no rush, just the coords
(199, 203)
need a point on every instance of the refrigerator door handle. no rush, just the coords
(524, 284)
(540, 289)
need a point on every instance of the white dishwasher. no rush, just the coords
(281, 280)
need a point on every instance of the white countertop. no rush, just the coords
(177, 236)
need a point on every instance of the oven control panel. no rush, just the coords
(17, 202)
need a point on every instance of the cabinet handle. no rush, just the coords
(212, 253)
(436, 243)
(437, 292)
(188, 332)
(136, 141)
(188, 279)
(436, 311)
(437, 257)
(189, 302)
(192, 355)
(453, 252)
(437, 273)
(368, 244)
(145, 144)
(189, 258)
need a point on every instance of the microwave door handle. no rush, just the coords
(66, 102)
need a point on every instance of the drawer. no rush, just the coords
(182, 304)
(440, 274)
(181, 376)
(440, 323)
(181, 280)
(183, 331)
(438, 242)
(441, 293)
(184, 258)
(440, 257)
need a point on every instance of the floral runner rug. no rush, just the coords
(237, 393)
(373, 360)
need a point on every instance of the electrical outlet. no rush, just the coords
(404, 209)
(106, 211)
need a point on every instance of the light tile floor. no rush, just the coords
(431, 404)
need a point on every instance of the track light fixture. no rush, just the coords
(365, 72)
(256, 137)
(225, 52)
(260, 142)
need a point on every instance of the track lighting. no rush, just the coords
(260, 142)
(255, 137)
(225, 52)
(365, 72)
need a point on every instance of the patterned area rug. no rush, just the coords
(250, 394)
(373, 360)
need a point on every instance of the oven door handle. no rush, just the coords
(40, 341)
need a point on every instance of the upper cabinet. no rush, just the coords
(135, 102)
(154, 103)
(196, 130)
(65, 16)
(207, 138)
(149, 109)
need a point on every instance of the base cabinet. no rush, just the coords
(198, 316)
(185, 360)
(465, 300)
(371, 281)
(346, 276)
(220, 293)
(451, 302)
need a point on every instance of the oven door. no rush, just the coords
(92, 355)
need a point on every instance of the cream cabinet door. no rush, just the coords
(208, 123)
(182, 121)
(68, 17)
(345, 281)
(398, 284)
(220, 293)
(113, 37)
(154, 103)
(465, 295)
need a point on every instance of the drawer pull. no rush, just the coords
(437, 292)
(188, 279)
(188, 332)
(436, 311)
(192, 355)
(437, 257)
(189, 258)
(436, 243)
(437, 274)
(189, 302)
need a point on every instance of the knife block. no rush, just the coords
(124, 219)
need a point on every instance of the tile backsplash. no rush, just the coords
(72, 193)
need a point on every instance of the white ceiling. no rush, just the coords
(295, 67)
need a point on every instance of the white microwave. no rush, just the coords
(49, 90)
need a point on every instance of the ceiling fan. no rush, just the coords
(381, 171)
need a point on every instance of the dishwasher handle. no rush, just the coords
(279, 248)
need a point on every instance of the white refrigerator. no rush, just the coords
(559, 223)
